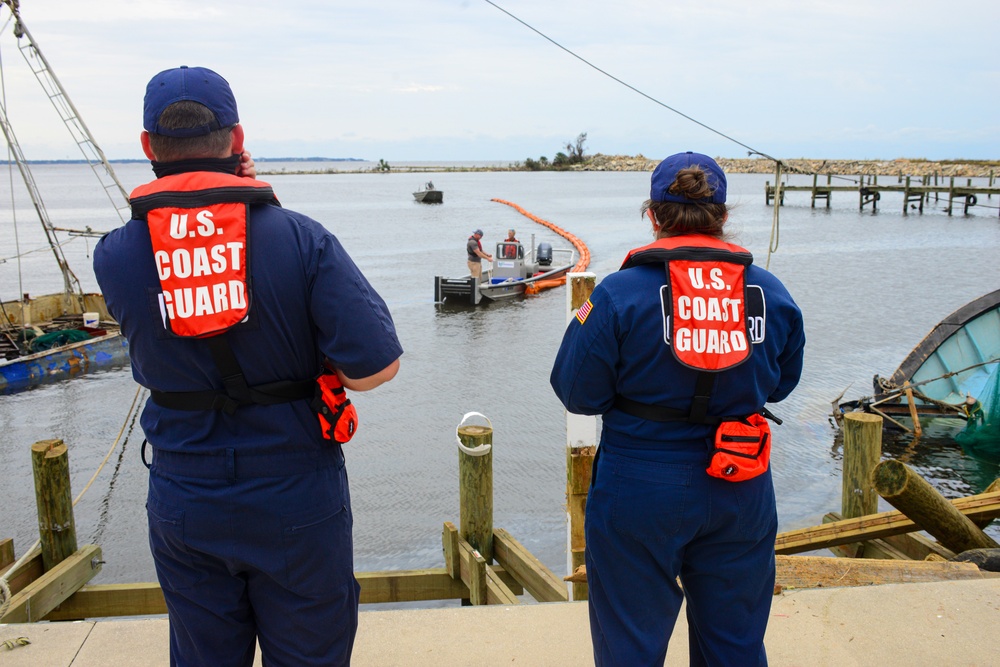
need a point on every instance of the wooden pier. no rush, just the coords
(916, 191)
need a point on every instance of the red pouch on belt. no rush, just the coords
(337, 417)
(742, 449)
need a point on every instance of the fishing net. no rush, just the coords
(981, 436)
(57, 339)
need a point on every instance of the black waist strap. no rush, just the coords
(237, 392)
(264, 394)
(660, 413)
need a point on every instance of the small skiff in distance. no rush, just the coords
(429, 195)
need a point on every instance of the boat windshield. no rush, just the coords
(510, 250)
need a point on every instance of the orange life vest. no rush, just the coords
(705, 299)
(198, 228)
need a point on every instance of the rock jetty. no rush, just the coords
(898, 167)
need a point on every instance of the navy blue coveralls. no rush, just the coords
(653, 513)
(249, 513)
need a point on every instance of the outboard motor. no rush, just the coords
(544, 256)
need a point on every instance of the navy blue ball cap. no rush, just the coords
(666, 173)
(197, 84)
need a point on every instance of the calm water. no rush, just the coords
(871, 286)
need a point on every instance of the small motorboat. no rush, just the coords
(429, 194)
(947, 371)
(511, 274)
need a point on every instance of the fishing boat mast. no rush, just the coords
(81, 135)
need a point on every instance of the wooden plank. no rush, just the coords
(474, 566)
(449, 543)
(410, 586)
(107, 600)
(29, 571)
(539, 581)
(894, 522)
(52, 588)
(497, 591)
(823, 572)
(7, 552)
(912, 546)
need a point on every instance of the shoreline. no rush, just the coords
(899, 167)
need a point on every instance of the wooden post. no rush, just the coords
(581, 446)
(906, 196)
(475, 482)
(50, 463)
(815, 176)
(862, 451)
(926, 507)
(951, 193)
(917, 428)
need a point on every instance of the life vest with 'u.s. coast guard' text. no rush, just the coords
(711, 319)
(711, 316)
(198, 228)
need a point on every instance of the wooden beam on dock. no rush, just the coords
(832, 572)
(539, 580)
(908, 546)
(44, 594)
(829, 572)
(483, 583)
(29, 571)
(983, 506)
(108, 600)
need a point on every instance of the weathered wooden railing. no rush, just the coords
(51, 584)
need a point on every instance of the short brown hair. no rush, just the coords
(185, 114)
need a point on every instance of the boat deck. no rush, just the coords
(941, 623)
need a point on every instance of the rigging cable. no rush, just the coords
(10, 174)
(750, 149)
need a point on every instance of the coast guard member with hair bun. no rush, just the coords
(679, 351)
(245, 321)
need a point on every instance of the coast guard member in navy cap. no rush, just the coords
(236, 310)
(679, 351)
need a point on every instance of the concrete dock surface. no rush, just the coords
(954, 623)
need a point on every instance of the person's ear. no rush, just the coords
(144, 140)
(652, 219)
(237, 134)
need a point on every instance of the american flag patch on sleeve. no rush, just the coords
(583, 311)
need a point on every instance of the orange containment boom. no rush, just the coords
(580, 246)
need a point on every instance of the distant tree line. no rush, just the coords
(574, 154)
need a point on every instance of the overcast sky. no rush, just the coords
(460, 80)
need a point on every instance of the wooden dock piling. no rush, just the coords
(862, 451)
(581, 447)
(475, 479)
(56, 527)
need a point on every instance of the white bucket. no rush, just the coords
(91, 320)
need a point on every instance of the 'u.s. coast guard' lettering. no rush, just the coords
(200, 258)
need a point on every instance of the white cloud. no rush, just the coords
(418, 79)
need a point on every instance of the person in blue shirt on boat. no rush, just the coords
(672, 351)
(474, 249)
(233, 307)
